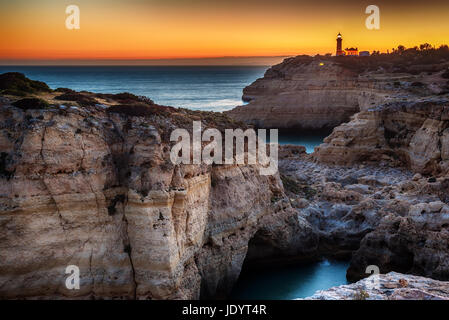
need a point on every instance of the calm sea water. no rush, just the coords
(288, 283)
(212, 88)
(216, 88)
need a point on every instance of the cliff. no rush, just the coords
(413, 133)
(313, 93)
(86, 180)
(380, 181)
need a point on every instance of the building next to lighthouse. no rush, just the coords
(351, 52)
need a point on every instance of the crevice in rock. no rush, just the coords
(127, 248)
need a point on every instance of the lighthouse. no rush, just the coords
(340, 51)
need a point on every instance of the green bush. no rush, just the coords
(17, 84)
(65, 90)
(31, 103)
(125, 98)
(140, 110)
(81, 99)
(361, 295)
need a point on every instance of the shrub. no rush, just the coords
(139, 110)
(361, 295)
(31, 103)
(411, 61)
(125, 98)
(13, 92)
(65, 90)
(17, 84)
(81, 99)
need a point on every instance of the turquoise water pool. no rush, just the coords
(291, 282)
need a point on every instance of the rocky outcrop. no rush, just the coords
(306, 93)
(391, 286)
(415, 243)
(301, 95)
(86, 180)
(373, 214)
(90, 183)
(343, 204)
(359, 191)
(410, 133)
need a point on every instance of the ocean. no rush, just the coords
(207, 88)
(212, 88)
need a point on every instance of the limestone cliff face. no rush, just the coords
(311, 93)
(96, 189)
(412, 133)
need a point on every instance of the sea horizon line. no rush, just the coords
(206, 61)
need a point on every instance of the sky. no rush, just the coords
(209, 31)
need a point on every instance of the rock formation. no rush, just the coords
(411, 133)
(372, 213)
(378, 184)
(86, 180)
(300, 94)
(305, 93)
(391, 286)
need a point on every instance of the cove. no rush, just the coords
(309, 139)
(290, 282)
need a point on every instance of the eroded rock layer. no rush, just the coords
(305, 93)
(413, 135)
(93, 186)
(314, 93)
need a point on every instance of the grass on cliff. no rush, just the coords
(81, 99)
(360, 294)
(140, 110)
(125, 98)
(16, 84)
(31, 104)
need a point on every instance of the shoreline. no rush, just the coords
(89, 168)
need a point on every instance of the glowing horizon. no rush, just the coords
(161, 30)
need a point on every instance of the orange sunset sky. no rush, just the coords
(34, 30)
